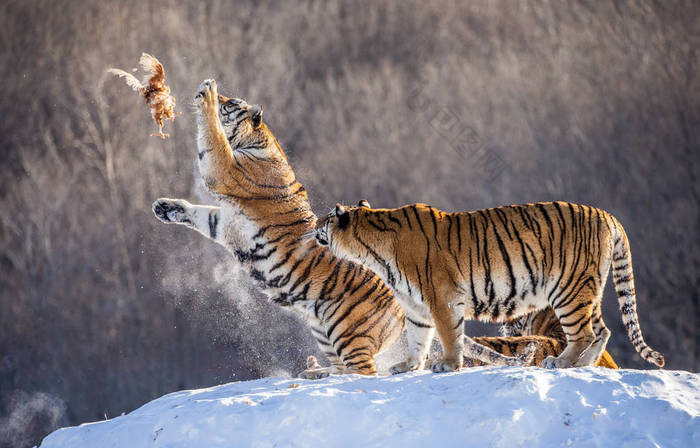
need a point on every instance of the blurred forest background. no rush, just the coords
(462, 105)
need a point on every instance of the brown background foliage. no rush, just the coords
(461, 105)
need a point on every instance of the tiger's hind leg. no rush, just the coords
(575, 315)
(314, 370)
(361, 366)
(602, 334)
(358, 357)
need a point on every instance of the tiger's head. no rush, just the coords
(242, 122)
(351, 232)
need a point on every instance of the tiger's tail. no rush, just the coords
(623, 279)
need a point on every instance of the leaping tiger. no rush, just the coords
(495, 265)
(265, 219)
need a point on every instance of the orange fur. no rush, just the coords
(352, 313)
(497, 265)
(543, 329)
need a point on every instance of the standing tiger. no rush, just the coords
(495, 265)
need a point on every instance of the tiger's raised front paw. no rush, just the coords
(206, 96)
(171, 210)
(444, 365)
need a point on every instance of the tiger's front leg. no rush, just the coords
(214, 151)
(449, 321)
(420, 333)
(204, 219)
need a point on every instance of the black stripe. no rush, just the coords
(459, 232)
(408, 220)
(506, 259)
(213, 222)
(576, 309)
(389, 273)
(418, 324)
(475, 303)
(394, 220)
(449, 232)
(435, 229)
(352, 307)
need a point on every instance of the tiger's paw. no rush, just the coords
(171, 210)
(314, 374)
(527, 357)
(314, 371)
(550, 362)
(206, 97)
(444, 365)
(312, 362)
(403, 367)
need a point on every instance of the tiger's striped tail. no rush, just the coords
(623, 278)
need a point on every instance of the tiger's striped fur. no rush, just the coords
(546, 323)
(543, 323)
(541, 328)
(264, 218)
(517, 346)
(496, 265)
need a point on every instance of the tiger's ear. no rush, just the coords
(222, 99)
(364, 203)
(255, 112)
(343, 216)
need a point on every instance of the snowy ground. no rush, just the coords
(486, 406)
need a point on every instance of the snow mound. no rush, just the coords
(484, 406)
